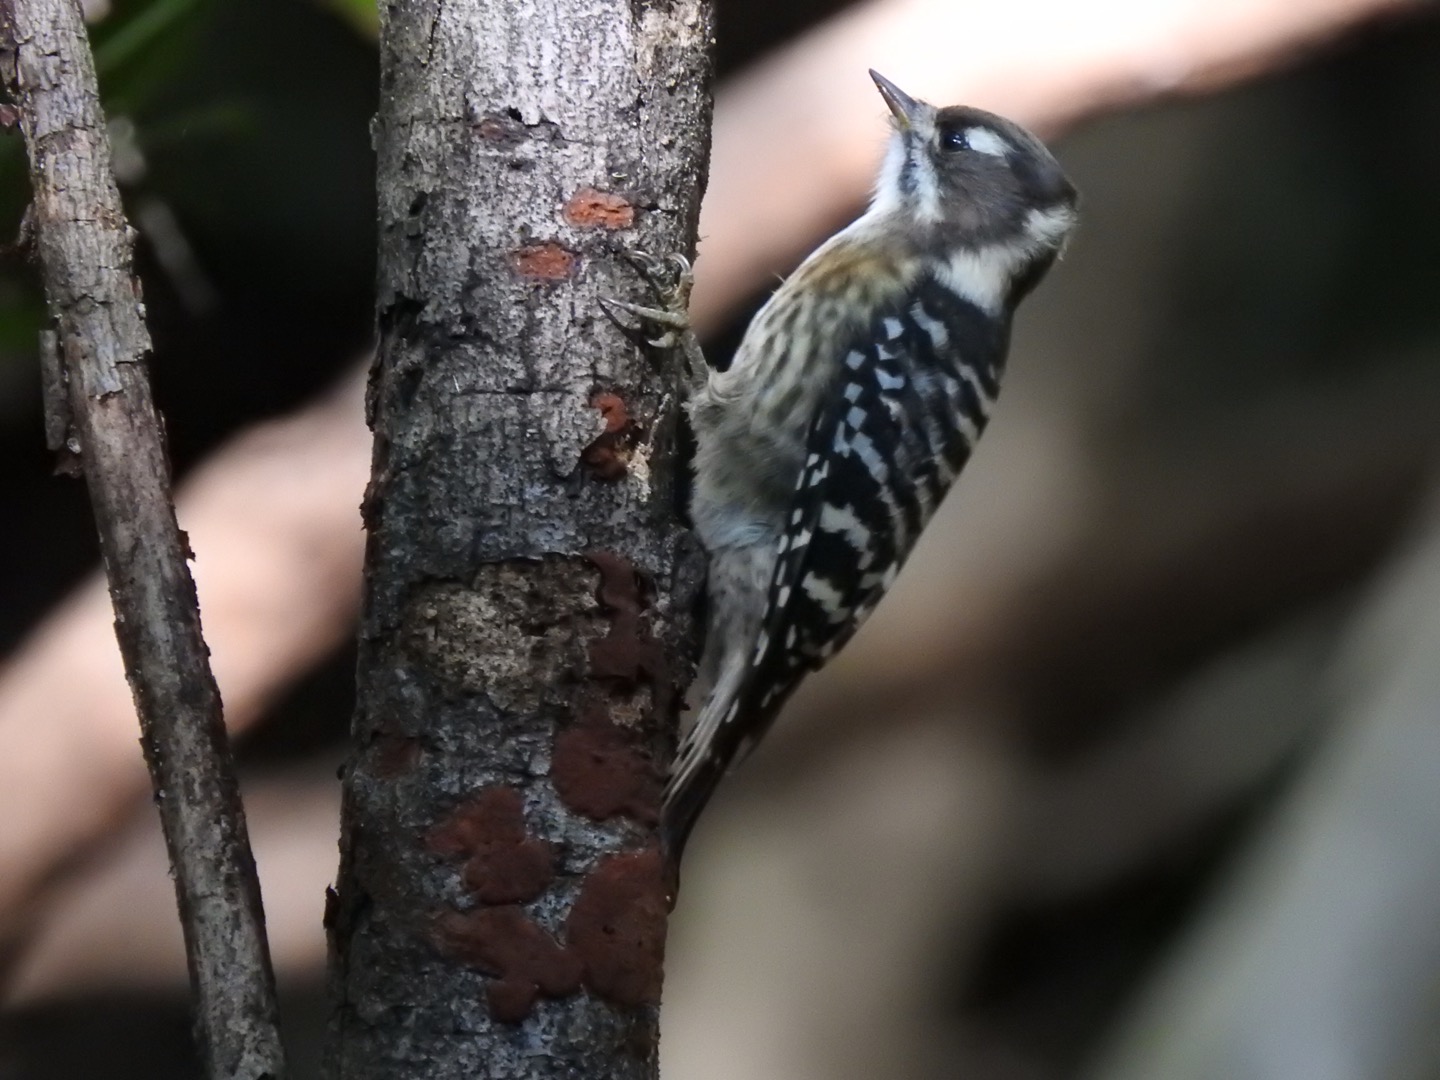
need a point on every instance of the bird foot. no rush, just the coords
(672, 279)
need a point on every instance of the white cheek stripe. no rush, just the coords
(982, 276)
(1047, 226)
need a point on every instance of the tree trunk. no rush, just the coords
(527, 624)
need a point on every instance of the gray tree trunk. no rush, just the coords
(527, 624)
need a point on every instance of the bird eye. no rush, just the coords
(954, 139)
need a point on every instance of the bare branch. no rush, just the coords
(84, 246)
(273, 517)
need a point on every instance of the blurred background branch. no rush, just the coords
(1104, 669)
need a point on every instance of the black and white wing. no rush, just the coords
(903, 414)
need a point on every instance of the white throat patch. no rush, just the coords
(901, 167)
(887, 185)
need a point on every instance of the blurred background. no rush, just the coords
(1137, 773)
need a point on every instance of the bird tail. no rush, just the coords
(703, 758)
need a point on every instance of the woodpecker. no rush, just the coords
(855, 398)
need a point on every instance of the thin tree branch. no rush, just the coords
(84, 246)
(273, 519)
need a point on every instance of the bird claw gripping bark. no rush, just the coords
(672, 279)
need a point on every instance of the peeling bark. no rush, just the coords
(527, 624)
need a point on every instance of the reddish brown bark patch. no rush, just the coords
(523, 960)
(628, 655)
(608, 456)
(599, 771)
(503, 863)
(613, 412)
(492, 128)
(394, 755)
(500, 129)
(546, 261)
(617, 928)
(591, 208)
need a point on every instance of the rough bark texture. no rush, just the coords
(106, 415)
(527, 623)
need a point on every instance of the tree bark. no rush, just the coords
(527, 619)
(99, 407)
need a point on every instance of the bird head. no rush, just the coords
(967, 178)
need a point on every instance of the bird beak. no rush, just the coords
(905, 108)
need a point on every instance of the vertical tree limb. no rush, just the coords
(84, 245)
(528, 585)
